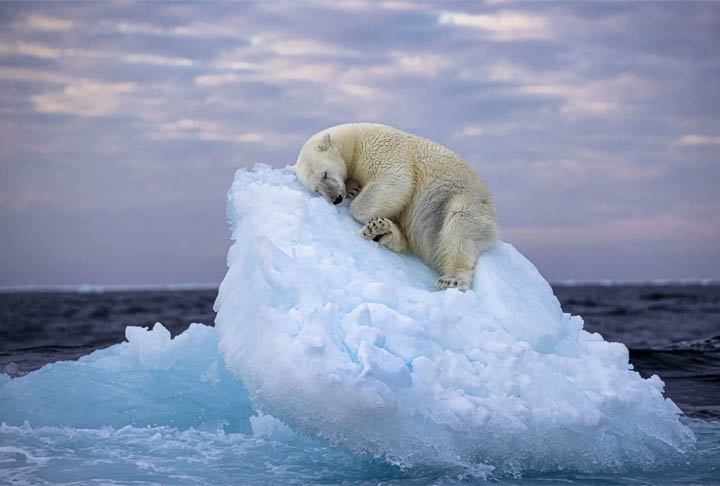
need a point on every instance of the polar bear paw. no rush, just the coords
(386, 233)
(453, 282)
(352, 189)
(376, 228)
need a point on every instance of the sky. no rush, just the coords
(595, 126)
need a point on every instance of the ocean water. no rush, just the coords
(672, 331)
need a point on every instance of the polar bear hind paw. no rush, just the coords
(453, 282)
(376, 228)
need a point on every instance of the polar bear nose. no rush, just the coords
(338, 200)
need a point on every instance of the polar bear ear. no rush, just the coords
(325, 143)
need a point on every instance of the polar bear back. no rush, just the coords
(376, 147)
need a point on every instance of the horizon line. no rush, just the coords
(177, 287)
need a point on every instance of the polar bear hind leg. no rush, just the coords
(465, 234)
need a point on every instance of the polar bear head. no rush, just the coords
(321, 168)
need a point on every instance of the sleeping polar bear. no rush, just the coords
(409, 192)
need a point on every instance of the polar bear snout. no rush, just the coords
(333, 190)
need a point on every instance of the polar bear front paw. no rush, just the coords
(352, 189)
(453, 282)
(376, 228)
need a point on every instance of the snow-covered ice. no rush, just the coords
(340, 338)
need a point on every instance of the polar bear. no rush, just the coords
(410, 193)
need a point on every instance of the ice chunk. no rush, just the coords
(343, 339)
(151, 346)
(151, 380)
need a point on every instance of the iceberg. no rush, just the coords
(342, 339)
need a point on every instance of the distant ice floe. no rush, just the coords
(102, 288)
(340, 338)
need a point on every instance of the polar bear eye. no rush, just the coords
(325, 175)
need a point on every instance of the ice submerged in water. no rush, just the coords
(343, 339)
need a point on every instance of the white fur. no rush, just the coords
(410, 193)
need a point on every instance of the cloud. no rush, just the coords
(580, 95)
(212, 80)
(401, 5)
(83, 98)
(299, 47)
(426, 65)
(193, 29)
(43, 22)
(280, 71)
(210, 131)
(47, 52)
(154, 60)
(585, 165)
(694, 140)
(489, 129)
(502, 26)
(29, 49)
(36, 21)
(671, 228)
(33, 75)
(342, 5)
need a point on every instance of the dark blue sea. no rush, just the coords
(672, 331)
